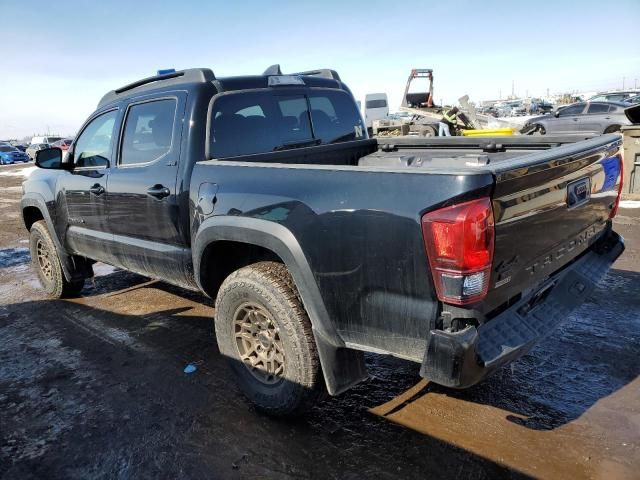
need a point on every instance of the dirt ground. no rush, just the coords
(95, 388)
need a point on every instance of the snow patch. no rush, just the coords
(630, 204)
(22, 172)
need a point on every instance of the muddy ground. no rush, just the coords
(95, 388)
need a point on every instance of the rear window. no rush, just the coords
(267, 121)
(376, 103)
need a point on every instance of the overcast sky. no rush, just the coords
(59, 58)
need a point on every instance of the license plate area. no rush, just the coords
(578, 192)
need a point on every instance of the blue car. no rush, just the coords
(9, 155)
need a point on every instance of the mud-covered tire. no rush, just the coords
(269, 289)
(45, 260)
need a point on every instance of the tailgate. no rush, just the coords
(549, 207)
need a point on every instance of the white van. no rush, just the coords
(376, 107)
(45, 139)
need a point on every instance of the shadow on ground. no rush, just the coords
(95, 386)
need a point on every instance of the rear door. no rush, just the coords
(142, 197)
(595, 118)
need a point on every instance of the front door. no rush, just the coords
(142, 202)
(82, 219)
(568, 120)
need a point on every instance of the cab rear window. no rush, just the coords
(247, 123)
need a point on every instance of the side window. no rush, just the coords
(148, 131)
(572, 110)
(93, 146)
(598, 108)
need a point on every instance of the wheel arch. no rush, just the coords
(257, 239)
(34, 209)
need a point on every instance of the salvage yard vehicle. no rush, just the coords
(318, 243)
(10, 154)
(581, 118)
(35, 147)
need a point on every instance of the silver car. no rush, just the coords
(579, 118)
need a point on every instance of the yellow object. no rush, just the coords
(493, 132)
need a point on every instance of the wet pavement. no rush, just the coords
(95, 387)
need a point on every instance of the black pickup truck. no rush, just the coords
(318, 243)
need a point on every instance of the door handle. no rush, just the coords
(575, 119)
(158, 191)
(97, 189)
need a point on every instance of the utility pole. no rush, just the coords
(623, 79)
(635, 83)
(513, 88)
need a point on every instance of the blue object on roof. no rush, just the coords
(190, 368)
(166, 71)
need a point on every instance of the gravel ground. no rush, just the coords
(94, 388)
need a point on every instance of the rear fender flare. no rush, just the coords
(342, 367)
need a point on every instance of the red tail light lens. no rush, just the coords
(614, 210)
(459, 242)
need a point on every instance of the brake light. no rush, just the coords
(614, 210)
(459, 242)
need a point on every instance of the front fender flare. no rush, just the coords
(342, 367)
(70, 270)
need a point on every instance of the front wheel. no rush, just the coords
(46, 262)
(265, 333)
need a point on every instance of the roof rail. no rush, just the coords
(190, 75)
(321, 72)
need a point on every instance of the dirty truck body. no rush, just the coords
(458, 254)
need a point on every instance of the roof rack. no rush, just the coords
(321, 72)
(190, 75)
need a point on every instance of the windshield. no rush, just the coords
(7, 149)
(247, 123)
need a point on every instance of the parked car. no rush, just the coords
(633, 100)
(318, 243)
(63, 144)
(10, 154)
(579, 118)
(614, 96)
(21, 146)
(34, 147)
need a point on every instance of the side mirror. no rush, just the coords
(50, 158)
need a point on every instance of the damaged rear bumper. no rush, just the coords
(464, 358)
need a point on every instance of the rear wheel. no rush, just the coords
(45, 260)
(265, 333)
(612, 129)
(427, 131)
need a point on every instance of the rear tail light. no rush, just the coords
(614, 210)
(459, 242)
